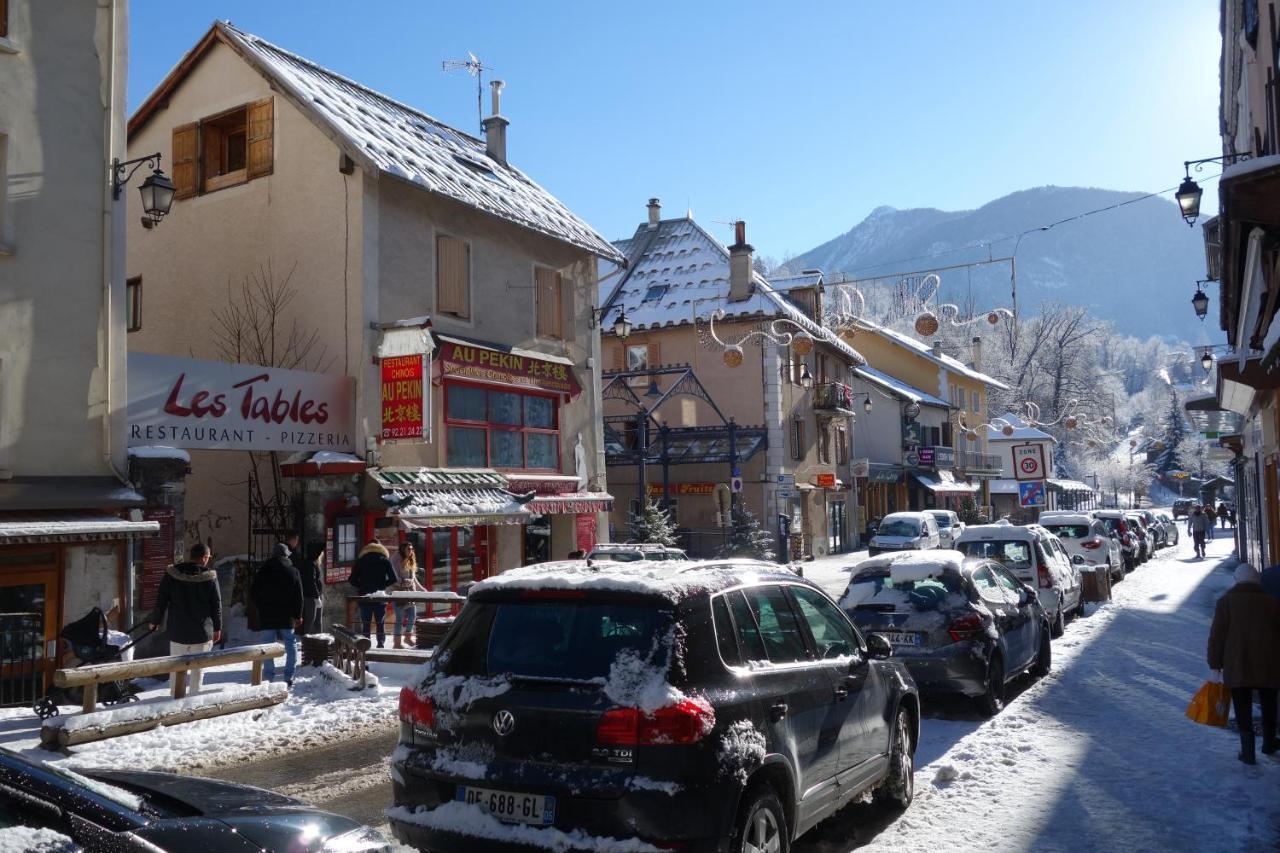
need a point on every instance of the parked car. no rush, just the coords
(724, 705)
(1154, 529)
(625, 552)
(1119, 525)
(1166, 527)
(1182, 506)
(1146, 541)
(949, 526)
(905, 531)
(127, 810)
(1037, 558)
(1087, 537)
(960, 625)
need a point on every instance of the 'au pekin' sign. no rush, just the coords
(214, 405)
(489, 365)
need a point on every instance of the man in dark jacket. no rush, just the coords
(1244, 644)
(372, 573)
(189, 596)
(276, 592)
(312, 575)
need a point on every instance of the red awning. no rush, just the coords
(572, 503)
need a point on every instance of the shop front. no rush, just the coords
(880, 491)
(941, 490)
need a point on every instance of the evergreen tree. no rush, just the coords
(653, 526)
(746, 537)
(1175, 430)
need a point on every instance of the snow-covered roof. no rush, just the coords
(402, 142)
(1021, 432)
(950, 363)
(1069, 485)
(679, 273)
(804, 279)
(1245, 167)
(898, 387)
(944, 482)
(53, 527)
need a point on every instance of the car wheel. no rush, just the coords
(992, 701)
(1044, 660)
(762, 824)
(1059, 621)
(899, 786)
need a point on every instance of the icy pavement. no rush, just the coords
(1097, 756)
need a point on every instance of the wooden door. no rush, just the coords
(30, 618)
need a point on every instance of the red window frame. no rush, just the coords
(490, 427)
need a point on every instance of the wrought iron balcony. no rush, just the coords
(833, 398)
(971, 460)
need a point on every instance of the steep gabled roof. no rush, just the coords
(923, 349)
(394, 139)
(678, 273)
(1021, 432)
(899, 388)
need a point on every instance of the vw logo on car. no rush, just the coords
(504, 722)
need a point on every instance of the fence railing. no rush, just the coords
(21, 658)
(971, 460)
(832, 397)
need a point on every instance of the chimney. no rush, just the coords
(937, 348)
(740, 284)
(495, 126)
(655, 212)
(977, 353)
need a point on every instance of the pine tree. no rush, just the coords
(653, 526)
(1175, 431)
(746, 537)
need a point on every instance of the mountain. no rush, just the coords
(1136, 265)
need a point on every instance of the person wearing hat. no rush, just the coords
(276, 592)
(372, 573)
(1244, 645)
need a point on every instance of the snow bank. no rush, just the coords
(345, 682)
(155, 709)
(471, 821)
(25, 839)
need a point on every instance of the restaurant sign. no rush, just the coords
(404, 405)
(655, 489)
(216, 405)
(491, 365)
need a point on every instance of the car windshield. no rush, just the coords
(876, 591)
(899, 527)
(1068, 531)
(1012, 553)
(572, 639)
(942, 518)
(621, 556)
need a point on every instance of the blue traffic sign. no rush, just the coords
(1031, 493)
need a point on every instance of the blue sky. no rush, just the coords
(799, 118)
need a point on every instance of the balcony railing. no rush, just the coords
(971, 460)
(834, 398)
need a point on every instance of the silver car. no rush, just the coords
(1168, 527)
(949, 527)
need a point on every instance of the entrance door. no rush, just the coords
(28, 629)
(837, 541)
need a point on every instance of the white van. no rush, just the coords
(905, 531)
(1037, 558)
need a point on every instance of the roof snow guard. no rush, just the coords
(394, 139)
(449, 497)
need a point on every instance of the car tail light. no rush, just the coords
(965, 627)
(1042, 573)
(417, 710)
(687, 721)
(1091, 544)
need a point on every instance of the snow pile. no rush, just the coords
(644, 783)
(467, 761)
(344, 682)
(25, 839)
(157, 709)
(742, 750)
(640, 682)
(669, 579)
(469, 820)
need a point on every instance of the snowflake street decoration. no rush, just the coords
(780, 332)
(930, 320)
(1070, 418)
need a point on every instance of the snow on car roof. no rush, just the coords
(669, 579)
(905, 565)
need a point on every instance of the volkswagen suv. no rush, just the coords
(726, 705)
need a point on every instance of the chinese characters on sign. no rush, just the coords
(403, 402)
(474, 362)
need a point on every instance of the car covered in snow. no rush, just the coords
(1087, 538)
(1036, 557)
(961, 625)
(905, 531)
(47, 807)
(625, 552)
(1120, 526)
(701, 706)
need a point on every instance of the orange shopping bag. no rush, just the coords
(1210, 705)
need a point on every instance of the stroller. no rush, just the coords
(87, 638)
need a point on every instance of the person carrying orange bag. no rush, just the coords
(1244, 643)
(1211, 705)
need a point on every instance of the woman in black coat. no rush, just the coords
(276, 593)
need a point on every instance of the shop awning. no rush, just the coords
(449, 497)
(572, 503)
(67, 493)
(883, 472)
(68, 527)
(944, 483)
(1068, 486)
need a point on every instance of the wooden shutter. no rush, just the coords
(655, 357)
(261, 137)
(620, 357)
(183, 153)
(547, 287)
(452, 276)
(210, 154)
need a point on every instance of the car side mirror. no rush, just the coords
(1078, 560)
(877, 647)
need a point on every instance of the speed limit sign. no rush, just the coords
(1028, 461)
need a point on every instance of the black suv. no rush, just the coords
(712, 706)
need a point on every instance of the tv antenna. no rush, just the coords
(473, 66)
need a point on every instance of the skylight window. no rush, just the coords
(654, 292)
(477, 167)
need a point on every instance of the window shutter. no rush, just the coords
(547, 286)
(183, 154)
(261, 137)
(452, 276)
(654, 355)
(620, 357)
(210, 154)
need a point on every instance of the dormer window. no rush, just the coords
(654, 292)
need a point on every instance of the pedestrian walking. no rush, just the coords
(190, 599)
(312, 574)
(1222, 515)
(1244, 645)
(1211, 516)
(372, 573)
(1197, 524)
(276, 592)
(406, 566)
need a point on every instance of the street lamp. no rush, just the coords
(622, 326)
(157, 190)
(1200, 301)
(1206, 361)
(1188, 196)
(866, 404)
(806, 378)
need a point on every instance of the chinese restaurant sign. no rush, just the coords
(215, 405)
(487, 365)
(403, 403)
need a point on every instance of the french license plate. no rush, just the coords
(896, 638)
(511, 806)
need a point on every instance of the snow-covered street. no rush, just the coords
(1099, 755)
